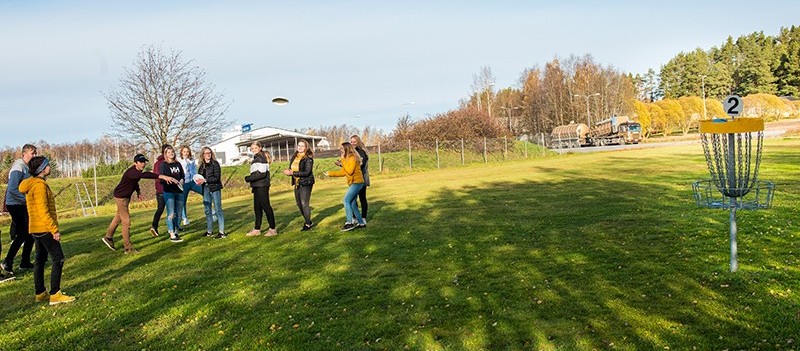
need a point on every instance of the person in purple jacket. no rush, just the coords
(122, 196)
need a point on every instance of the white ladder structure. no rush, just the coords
(84, 199)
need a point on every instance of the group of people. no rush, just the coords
(31, 203)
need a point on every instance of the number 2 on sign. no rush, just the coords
(734, 102)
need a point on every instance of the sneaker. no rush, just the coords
(254, 232)
(26, 265)
(306, 227)
(58, 298)
(348, 227)
(45, 296)
(208, 234)
(175, 239)
(186, 221)
(6, 268)
(109, 242)
(271, 232)
(6, 278)
(131, 251)
(221, 236)
(153, 232)
(361, 225)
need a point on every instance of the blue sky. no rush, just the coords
(354, 62)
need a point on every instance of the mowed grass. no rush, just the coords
(575, 252)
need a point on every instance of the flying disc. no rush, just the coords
(198, 178)
(180, 185)
(280, 101)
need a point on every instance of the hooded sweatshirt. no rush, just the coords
(19, 171)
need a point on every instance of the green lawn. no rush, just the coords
(589, 251)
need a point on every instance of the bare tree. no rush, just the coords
(164, 99)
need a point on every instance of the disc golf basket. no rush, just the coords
(732, 149)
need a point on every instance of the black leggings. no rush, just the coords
(19, 230)
(46, 244)
(159, 210)
(362, 197)
(261, 205)
(302, 195)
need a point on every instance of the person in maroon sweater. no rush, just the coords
(122, 196)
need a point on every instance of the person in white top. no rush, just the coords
(190, 169)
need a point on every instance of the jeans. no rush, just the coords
(188, 187)
(123, 217)
(159, 210)
(19, 230)
(261, 205)
(213, 198)
(302, 196)
(173, 203)
(46, 244)
(350, 207)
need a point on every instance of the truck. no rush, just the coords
(618, 130)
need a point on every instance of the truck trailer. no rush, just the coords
(617, 130)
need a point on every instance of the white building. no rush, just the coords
(234, 148)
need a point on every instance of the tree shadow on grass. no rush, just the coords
(575, 264)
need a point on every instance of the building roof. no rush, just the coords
(267, 134)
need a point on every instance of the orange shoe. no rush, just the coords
(58, 298)
(45, 296)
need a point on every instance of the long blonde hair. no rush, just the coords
(349, 150)
(266, 154)
(359, 143)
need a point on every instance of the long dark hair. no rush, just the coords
(309, 152)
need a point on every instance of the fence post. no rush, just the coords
(462, 151)
(526, 147)
(410, 165)
(380, 160)
(485, 156)
(505, 151)
(437, 154)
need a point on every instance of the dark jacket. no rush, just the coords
(364, 166)
(258, 179)
(213, 175)
(130, 182)
(157, 170)
(174, 170)
(306, 172)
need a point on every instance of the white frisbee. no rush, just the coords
(280, 101)
(198, 178)
(180, 185)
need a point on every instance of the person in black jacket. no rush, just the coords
(355, 140)
(301, 169)
(212, 192)
(173, 193)
(259, 181)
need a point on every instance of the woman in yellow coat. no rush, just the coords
(43, 226)
(351, 169)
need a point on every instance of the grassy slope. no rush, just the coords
(574, 252)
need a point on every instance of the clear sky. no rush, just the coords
(338, 62)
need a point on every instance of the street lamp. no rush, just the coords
(703, 84)
(509, 109)
(587, 96)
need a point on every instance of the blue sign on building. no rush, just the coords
(246, 127)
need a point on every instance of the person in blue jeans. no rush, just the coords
(173, 193)
(350, 161)
(212, 193)
(190, 169)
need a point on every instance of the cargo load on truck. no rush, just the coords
(569, 136)
(618, 130)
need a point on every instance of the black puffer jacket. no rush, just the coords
(306, 172)
(213, 174)
(256, 178)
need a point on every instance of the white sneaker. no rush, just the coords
(186, 221)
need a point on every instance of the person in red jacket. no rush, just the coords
(122, 196)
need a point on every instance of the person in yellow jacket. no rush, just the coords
(350, 162)
(43, 226)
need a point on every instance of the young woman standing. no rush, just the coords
(355, 140)
(301, 169)
(173, 194)
(190, 169)
(212, 192)
(259, 181)
(350, 161)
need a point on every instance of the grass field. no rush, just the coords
(573, 252)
